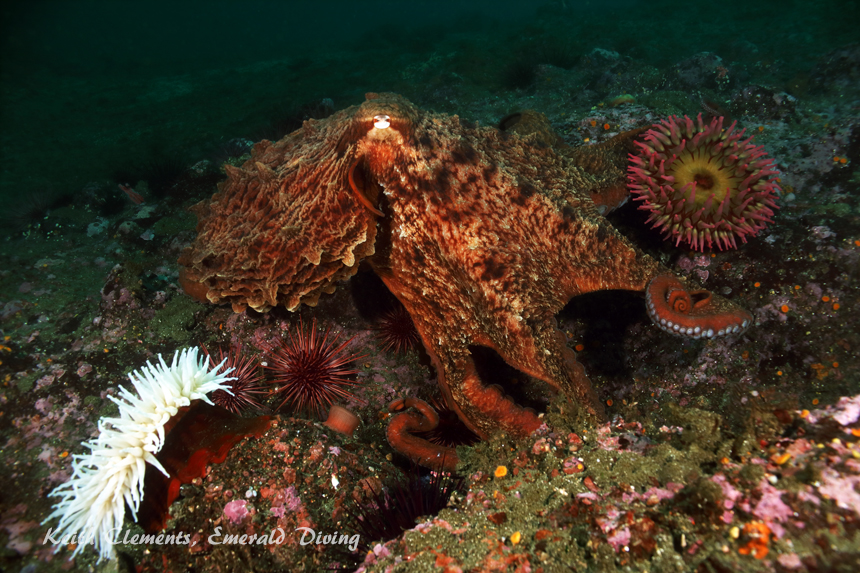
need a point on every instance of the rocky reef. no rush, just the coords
(710, 454)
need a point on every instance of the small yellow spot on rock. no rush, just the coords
(501, 471)
(515, 537)
(64, 454)
(734, 532)
(757, 284)
(781, 458)
(815, 401)
(804, 414)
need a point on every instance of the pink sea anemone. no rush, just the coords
(703, 185)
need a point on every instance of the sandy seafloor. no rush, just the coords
(731, 454)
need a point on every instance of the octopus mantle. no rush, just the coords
(482, 234)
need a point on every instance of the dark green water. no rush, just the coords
(96, 90)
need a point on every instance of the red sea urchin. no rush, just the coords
(311, 370)
(703, 185)
(247, 385)
(396, 331)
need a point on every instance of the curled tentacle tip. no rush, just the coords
(694, 314)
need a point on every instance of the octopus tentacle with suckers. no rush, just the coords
(482, 234)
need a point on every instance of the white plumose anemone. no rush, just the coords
(92, 503)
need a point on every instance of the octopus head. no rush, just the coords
(379, 141)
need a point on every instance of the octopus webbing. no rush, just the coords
(482, 234)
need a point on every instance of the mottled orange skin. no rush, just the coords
(604, 163)
(484, 236)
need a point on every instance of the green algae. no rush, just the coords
(25, 383)
(174, 224)
(175, 322)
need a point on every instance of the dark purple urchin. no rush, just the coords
(310, 370)
(397, 331)
(397, 506)
(451, 431)
(246, 387)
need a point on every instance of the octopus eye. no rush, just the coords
(381, 121)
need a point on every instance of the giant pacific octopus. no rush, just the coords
(483, 234)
